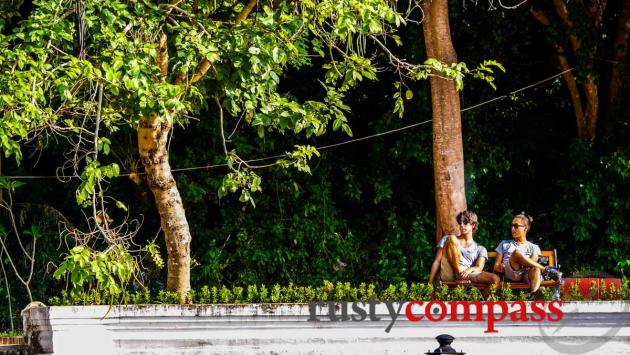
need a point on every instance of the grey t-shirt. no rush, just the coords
(468, 255)
(507, 248)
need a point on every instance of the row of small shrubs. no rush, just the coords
(341, 291)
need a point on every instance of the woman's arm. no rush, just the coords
(498, 263)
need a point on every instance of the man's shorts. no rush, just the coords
(447, 273)
(510, 274)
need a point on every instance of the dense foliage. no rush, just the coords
(366, 211)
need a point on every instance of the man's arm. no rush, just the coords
(481, 262)
(436, 265)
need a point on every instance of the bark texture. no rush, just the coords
(153, 135)
(448, 151)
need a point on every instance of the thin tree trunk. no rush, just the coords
(586, 106)
(591, 89)
(620, 47)
(574, 92)
(592, 107)
(153, 135)
(585, 113)
(448, 151)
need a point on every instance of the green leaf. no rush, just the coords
(337, 124)
(121, 205)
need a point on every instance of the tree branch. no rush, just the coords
(202, 70)
(162, 59)
(540, 16)
(218, 102)
(563, 12)
(205, 64)
(597, 11)
(243, 15)
(227, 153)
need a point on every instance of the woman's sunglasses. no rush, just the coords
(517, 226)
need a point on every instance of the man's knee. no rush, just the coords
(492, 278)
(486, 277)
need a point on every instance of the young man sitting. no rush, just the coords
(460, 258)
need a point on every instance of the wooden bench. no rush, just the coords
(548, 258)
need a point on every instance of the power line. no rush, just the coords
(205, 167)
(517, 91)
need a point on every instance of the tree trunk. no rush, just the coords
(153, 135)
(592, 108)
(152, 144)
(620, 50)
(586, 105)
(448, 151)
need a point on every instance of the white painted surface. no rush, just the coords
(587, 327)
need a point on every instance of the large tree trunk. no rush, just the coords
(448, 151)
(152, 145)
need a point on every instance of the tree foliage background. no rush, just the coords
(366, 211)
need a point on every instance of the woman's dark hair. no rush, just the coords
(525, 217)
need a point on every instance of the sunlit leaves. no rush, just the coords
(485, 71)
(92, 174)
(300, 156)
(109, 270)
(243, 180)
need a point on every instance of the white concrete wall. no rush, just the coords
(587, 327)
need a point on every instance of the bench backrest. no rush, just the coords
(548, 257)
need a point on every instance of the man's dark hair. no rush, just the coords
(469, 216)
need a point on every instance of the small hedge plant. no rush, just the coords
(341, 291)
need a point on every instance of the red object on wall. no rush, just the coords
(585, 284)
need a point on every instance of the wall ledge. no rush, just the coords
(597, 327)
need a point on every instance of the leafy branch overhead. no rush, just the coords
(50, 90)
